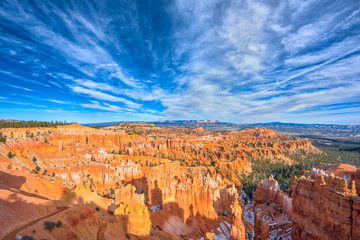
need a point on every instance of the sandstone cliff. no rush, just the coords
(132, 212)
(272, 211)
(322, 206)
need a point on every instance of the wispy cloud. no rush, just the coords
(105, 106)
(103, 96)
(58, 101)
(155, 93)
(229, 60)
(22, 103)
(18, 87)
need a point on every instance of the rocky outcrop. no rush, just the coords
(268, 191)
(199, 195)
(193, 204)
(237, 227)
(357, 180)
(132, 212)
(272, 210)
(322, 206)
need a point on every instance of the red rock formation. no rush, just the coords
(347, 172)
(237, 228)
(195, 204)
(271, 222)
(357, 180)
(272, 210)
(268, 191)
(322, 207)
(196, 196)
(132, 212)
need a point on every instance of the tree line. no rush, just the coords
(29, 124)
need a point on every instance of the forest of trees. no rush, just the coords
(27, 124)
(284, 173)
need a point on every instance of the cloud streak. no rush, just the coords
(105, 106)
(239, 61)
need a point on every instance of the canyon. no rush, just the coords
(140, 181)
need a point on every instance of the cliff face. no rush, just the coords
(268, 191)
(237, 228)
(356, 219)
(190, 200)
(322, 206)
(195, 203)
(348, 172)
(272, 211)
(132, 212)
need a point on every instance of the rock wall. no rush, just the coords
(191, 204)
(272, 211)
(322, 206)
(237, 227)
(132, 212)
(268, 191)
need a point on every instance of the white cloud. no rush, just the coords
(17, 87)
(105, 106)
(103, 96)
(141, 93)
(58, 101)
(22, 103)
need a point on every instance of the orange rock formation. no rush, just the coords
(132, 212)
(136, 180)
(321, 207)
(272, 210)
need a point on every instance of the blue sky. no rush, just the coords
(237, 61)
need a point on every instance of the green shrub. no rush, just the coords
(10, 155)
(58, 224)
(2, 138)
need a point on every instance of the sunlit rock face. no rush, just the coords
(132, 212)
(322, 206)
(194, 203)
(237, 228)
(272, 211)
(269, 191)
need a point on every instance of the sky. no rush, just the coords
(235, 61)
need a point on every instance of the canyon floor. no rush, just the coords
(141, 181)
